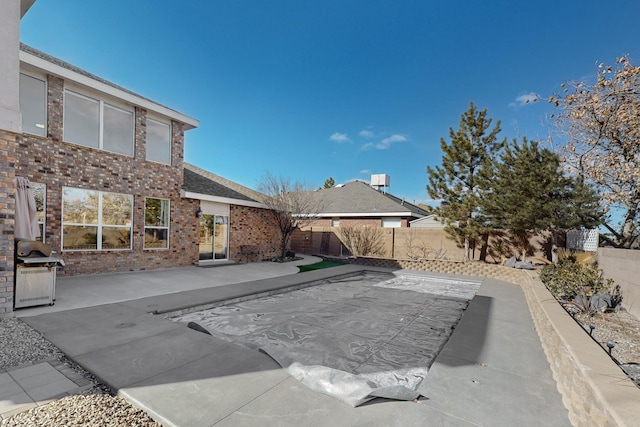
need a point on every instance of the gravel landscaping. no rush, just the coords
(94, 406)
(620, 329)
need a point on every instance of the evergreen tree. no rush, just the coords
(329, 183)
(456, 182)
(527, 191)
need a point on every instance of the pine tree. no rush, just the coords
(329, 183)
(528, 192)
(456, 182)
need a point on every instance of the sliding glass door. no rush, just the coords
(214, 237)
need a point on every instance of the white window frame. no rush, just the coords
(226, 238)
(42, 224)
(101, 104)
(155, 227)
(99, 224)
(43, 79)
(164, 123)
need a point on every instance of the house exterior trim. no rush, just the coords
(73, 76)
(368, 214)
(209, 198)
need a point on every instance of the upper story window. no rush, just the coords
(96, 220)
(33, 105)
(158, 142)
(97, 124)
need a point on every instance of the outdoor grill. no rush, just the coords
(35, 274)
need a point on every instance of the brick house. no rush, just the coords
(106, 166)
(234, 224)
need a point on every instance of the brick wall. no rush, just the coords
(53, 162)
(255, 227)
(475, 268)
(7, 212)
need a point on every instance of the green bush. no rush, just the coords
(569, 279)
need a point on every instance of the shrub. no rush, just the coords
(581, 285)
(576, 256)
(363, 241)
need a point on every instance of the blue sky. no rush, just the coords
(337, 88)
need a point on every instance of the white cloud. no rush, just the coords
(525, 99)
(339, 138)
(386, 143)
(366, 171)
(366, 133)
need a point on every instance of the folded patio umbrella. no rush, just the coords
(26, 214)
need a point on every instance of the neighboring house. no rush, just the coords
(430, 221)
(358, 204)
(234, 224)
(355, 204)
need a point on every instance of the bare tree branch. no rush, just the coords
(293, 205)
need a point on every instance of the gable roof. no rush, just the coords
(52, 65)
(204, 185)
(359, 199)
(429, 221)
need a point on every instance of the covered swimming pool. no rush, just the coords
(355, 338)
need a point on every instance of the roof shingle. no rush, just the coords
(359, 198)
(200, 181)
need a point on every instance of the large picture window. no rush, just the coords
(96, 220)
(156, 223)
(97, 124)
(33, 105)
(158, 142)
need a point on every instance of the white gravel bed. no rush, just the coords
(94, 406)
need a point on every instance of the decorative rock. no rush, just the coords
(524, 265)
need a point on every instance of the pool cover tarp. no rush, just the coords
(357, 338)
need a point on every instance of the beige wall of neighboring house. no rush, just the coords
(352, 222)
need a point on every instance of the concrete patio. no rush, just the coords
(492, 371)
